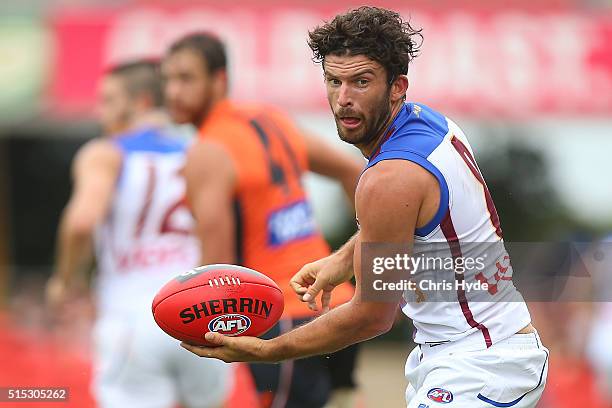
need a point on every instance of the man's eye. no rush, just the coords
(362, 82)
(333, 81)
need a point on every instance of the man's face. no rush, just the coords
(114, 106)
(187, 87)
(358, 94)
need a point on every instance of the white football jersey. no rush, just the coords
(466, 226)
(147, 237)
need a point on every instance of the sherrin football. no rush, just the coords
(227, 299)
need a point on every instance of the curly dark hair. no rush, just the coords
(377, 33)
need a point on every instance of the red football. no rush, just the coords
(227, 299)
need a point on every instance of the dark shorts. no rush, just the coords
(304, 383)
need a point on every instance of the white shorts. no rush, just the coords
(137, 365)
(511, 373)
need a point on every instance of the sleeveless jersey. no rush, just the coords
(466, 226)
(146, 238)
(276, 232)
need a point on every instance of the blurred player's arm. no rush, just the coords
(211, 179)
(331, 161)
(388, 201)
(95, 170)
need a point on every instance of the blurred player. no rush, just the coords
(244, 181)
(129, 193)
(422, 189)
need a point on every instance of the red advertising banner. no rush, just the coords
(484, 64)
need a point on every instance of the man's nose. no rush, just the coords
(344, 96)
(171, 90)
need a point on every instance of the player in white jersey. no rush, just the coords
(422, 190)
(128, 199)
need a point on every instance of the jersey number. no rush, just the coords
(264, 128)
(165, 224)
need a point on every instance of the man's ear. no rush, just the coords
(220, 82)
(399, 87)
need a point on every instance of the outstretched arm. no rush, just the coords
(388, 200)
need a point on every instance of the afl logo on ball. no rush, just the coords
(440, 395)
(230, 324)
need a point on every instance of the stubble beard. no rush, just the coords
(200, 114)
(372, 128)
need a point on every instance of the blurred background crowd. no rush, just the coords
(529, 81)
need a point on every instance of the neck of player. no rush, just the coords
(368, 148)
(151, 118)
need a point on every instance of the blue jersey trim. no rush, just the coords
(427, 120)
(516, 401)
(423, 162)
(147, 140)
(152, 140)
(416, 128)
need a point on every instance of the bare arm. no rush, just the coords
(388, 199)
(95, 171)
(211, 179)
(330, 161)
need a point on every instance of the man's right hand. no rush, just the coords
(322, 275)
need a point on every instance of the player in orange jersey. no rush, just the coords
(245, 189)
